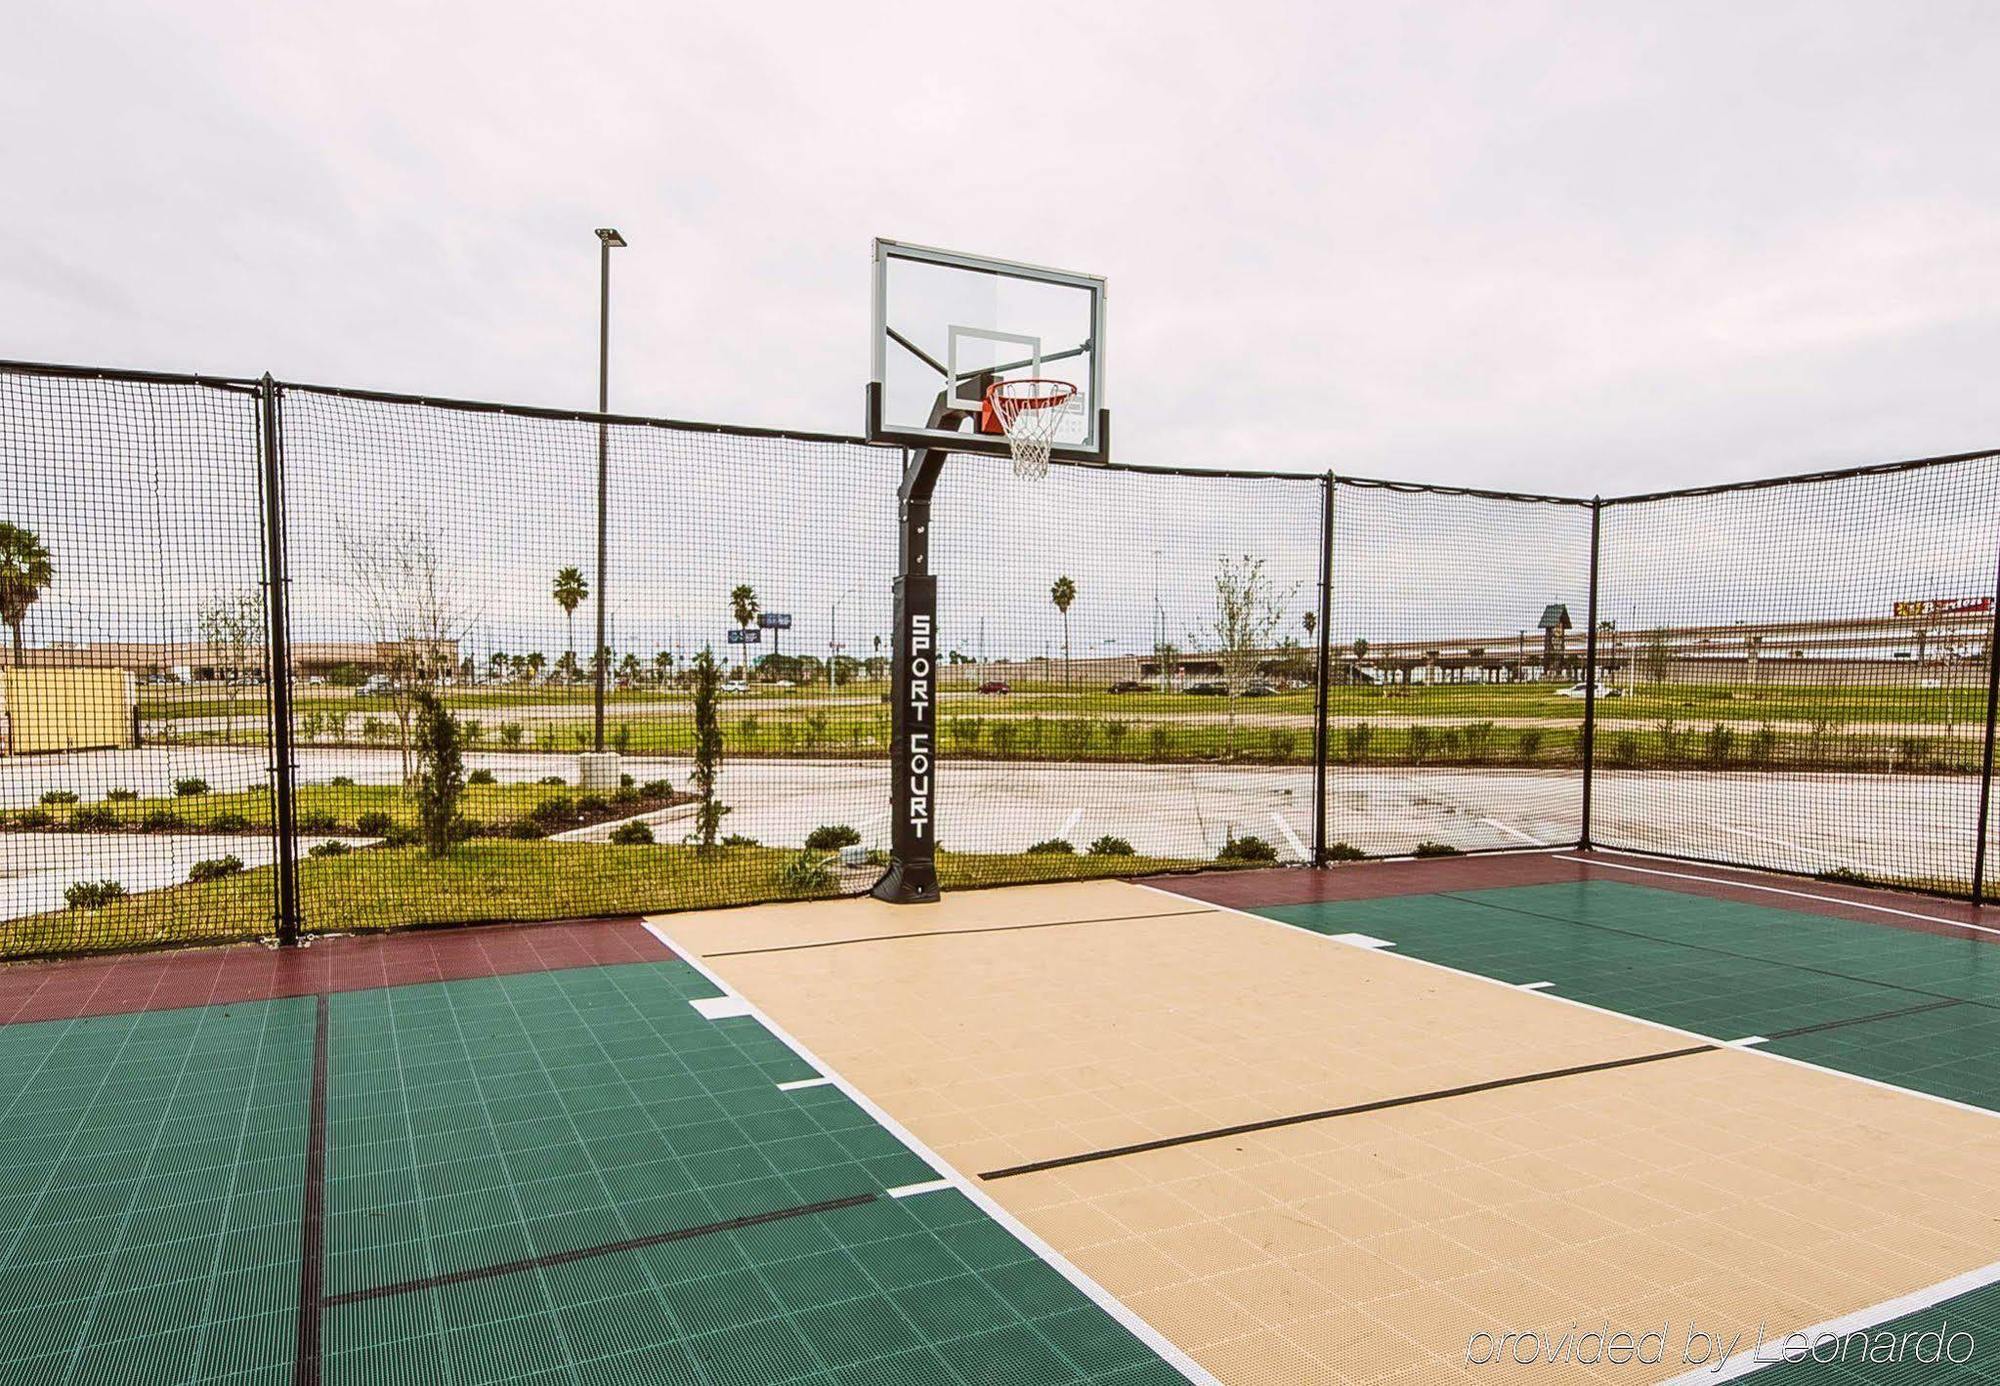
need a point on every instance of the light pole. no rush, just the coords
(607, 240)
(832, 631)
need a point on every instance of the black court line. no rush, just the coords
(1719, 952)
(1861, 1019)
(312, 1218)
(953, 933)
(563, 1258)
(1329, 1113)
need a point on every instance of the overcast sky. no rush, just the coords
(1570, 247)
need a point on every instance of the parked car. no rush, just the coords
(1582, 690)
(995, 686)
(1259, 690)
(735, 686)
(1207, 689)
(1128, 686)
(376, 686)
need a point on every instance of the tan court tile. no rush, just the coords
(1656, 1193)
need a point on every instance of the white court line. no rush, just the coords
(1778, 890)
(1536, 986)
(1513, 832)
(1361, 940)
(720, 1007)
(1560, 999)
(929, 1186)
(1749, 1041)
(1298, 847)
(1090, 1289)
(1852, 1323)
(798, 1083)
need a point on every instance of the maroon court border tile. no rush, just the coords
(66, 990)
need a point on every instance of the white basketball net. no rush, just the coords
(1029, 412)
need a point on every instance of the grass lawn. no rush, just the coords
(488, 880)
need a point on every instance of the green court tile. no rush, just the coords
(1720, 968)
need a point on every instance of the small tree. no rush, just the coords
(707, 749)
(1311, 622)
(229, 624)
(1248, 611)
(1167, 659)
(1656, 656)
(25, 573)
(440, 781)
(743, 606)
(1063, 593)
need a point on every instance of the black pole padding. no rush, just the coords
(1325, 670)
(1986, 753)
(1588, 744)
(278, 664)
(913, 743)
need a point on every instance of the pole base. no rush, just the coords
(908, 883)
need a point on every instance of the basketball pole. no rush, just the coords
(912, 875)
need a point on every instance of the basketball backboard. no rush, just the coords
(948, 326)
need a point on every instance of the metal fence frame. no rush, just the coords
(287, 923)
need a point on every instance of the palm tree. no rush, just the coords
(1062, 593)
(25, 573)
(663, 663)
(628, 668)
(1311, 623)
(570, 593)
(743, 606)
(536, 661)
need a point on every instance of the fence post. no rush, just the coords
(278, 665)
(1986, 754)
(1589, 746)
(1320, 747)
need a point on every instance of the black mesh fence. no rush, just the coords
(1793, 676)
(135, 782)
(1458, 639)
(1128, 669)
(1800, 673)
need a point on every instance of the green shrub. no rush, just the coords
(121, 796)
(92, 895)
(557, 808)
(191, 786)
(966, 732)
(803, 874)
(657, 789)
(624, 796)
(1109, 846)
(215, 868)
(746, 727)
(621, 737)
(552, 779)
(318, 821)
(1719, 743)
(373, 728)
(739, 840)
(1343, 851)
(481, 777)
(1114, 734)
(1436, 849)
(1763, 746)
(161, 820)
(59, 796)
(524, 829)
(1914, 753)
(471, 728)
(1161, 741)
(328, 849)
(1052, 847)
(374, 823)
(1246, 849)
(229, 823)
(1419, 743)
(94, 819)
(510, 733)
(633, 834)
(399, 835)
(1284, 741)
(1625, 749)
(33, 819)
(592, 806)
(1357, 738)
(1077, 733)
(831, 837)
(342, 781)
(627, 782)
(1477, 738)
(1531, 742)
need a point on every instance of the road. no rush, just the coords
(1891, 825)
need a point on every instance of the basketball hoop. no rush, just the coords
(1029, 412)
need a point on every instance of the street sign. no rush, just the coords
(775, 620)
(743, 635)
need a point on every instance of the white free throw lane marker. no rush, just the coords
(720, 1007)
(1512, 832)
(906, 1190)
(798, 1083)
(1298, 847)
(1090, 1289)
(1748, 1360)
(1361, 940)
(1779, 890)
